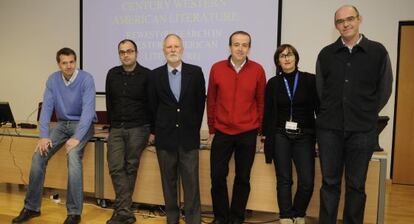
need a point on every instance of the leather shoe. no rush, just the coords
(121, 219)
(25, 215)
(218, 221)
(72, 219)
(235, 222)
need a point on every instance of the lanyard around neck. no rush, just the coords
(291, 94)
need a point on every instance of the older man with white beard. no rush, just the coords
(177, 99)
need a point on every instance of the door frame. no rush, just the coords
(400, 25)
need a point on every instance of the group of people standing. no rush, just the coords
(352, 84)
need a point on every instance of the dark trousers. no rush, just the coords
(184, 164)
(124, 151)
(300, 149)
(244, 147)
(351, 151)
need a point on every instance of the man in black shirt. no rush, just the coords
(354, 82)
(128, 116)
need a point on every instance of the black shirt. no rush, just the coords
(127, 97)
(277, 102)
(304, 101)
(352, 86)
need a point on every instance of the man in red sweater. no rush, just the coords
(235, 102)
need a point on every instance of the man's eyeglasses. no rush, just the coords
(348, 19)
(286, 56)
(128, 52)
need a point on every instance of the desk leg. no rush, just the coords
(381, 191)
(99, 168)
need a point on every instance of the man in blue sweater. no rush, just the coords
(69, 92)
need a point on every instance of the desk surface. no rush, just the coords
(100, 133)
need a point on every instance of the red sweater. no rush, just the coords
(235, 100)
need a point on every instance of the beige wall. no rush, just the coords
(32, 32)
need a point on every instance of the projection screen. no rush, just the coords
(204, 26)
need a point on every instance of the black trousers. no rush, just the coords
(244, 147)
(300, 150)
(184, 164)
(125, 147)
(351, 151)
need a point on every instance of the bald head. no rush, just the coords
(346, 7)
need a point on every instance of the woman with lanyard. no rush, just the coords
(288, 129)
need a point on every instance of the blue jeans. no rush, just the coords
(59, 135)
(349, 151)
(301, 151)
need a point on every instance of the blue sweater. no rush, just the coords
(75, 102)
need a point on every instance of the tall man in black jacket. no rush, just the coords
(128, 116)
(177, 98)
(354, 82)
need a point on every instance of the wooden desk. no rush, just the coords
(16, 150)
(18, 145)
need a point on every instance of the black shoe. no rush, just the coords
(72, 219)
(121, 219)
(218, 221)
(25, 215)
(235, 222)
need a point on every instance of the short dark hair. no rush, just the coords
(128, 40)
(279, 50)
(243, 33)
(65, 51)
